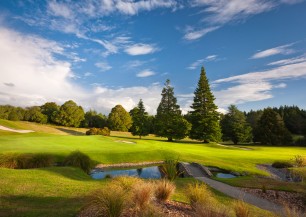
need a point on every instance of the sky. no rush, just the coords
(101, 53)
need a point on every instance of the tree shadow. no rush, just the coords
(71, 132)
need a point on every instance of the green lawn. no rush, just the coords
(36, 192)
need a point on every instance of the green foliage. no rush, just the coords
(169, 169)
(271, 129)
(164, 189)
(78, 159)
(98, 131)
(70, 114)
(204, 116)
(253, 118)
(50, 109)
(282, 164)
(140, 118)
(235, 127)
(93, 119)
(119, 119)
(33, 114)
(26, 161)
(169, 121)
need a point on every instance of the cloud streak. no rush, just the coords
(285, 50)
(145, 73)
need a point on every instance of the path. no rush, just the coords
(232, 191)
(16, 131)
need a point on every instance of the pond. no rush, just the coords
(225, 175)
(145, 173)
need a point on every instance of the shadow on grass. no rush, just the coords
(71, 132)
(12, 205)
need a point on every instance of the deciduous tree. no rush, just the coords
(119, 119)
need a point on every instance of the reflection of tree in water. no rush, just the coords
(139, 171)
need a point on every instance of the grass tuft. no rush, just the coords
(241, 209)
(169, 168)
(164, 189)
(142, 194)
(199, 194)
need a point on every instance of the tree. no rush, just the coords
(50, 109)
(140, 118)
(271, 129)
(169, 121)
(33, 114)
(119, 119)
(70, 114)
(204, 116)
(235, 127)
(93, 119)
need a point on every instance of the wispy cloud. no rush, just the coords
(284, 49)
(289, 61)
(140, 49)
(192, 34)
(103, 66)
(145, 73)
(197, 63)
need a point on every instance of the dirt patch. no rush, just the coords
(291, 199)
(123, 141)
(16, 131)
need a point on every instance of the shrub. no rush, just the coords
(142, 195)
(98, 131)
(78, 159)
(241, 209)
(109, 201)
(282, 164)
(299, 161)
(199, 194)
(164, 189)
(169, 168)
(263, 189)
(26, 161)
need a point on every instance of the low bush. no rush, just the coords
(163, 190)
(199, 194)
(241, 209)
(26, 161)
(79, 159)
(282, 164)
(98, 131)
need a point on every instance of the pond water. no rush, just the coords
(225, 175)
(145, 173)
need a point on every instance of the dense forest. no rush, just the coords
(285, 125)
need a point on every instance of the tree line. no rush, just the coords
(271, 126)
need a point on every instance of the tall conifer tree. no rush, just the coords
(140, 118)
(204, 116)
(169, 122)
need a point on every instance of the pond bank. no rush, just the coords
(126, 165)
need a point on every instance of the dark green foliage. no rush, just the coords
(26, 161)
(93, 119)
(70, 114)
(140, 118)
(204, 116)
(235, 127)
(33, 114)
(169, 169)
(252, 118)
(271, 129)
(119, 119)
(79, 159)
(50, 109)
(98, 131)
(282, 164)
(168, 121)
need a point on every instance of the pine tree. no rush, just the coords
(204, 116)
(169, 122)
(235, 127)
(140, 118)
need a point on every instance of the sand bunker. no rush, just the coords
(16, 131)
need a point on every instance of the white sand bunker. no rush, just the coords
(16, 131)
(128, 142)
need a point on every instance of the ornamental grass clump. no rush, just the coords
(241, 209)
(199, 195)
(142, 195)
(79, 159)
(169, 169)
(163, 190)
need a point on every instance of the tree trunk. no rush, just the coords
(170, 139)
(205, 141)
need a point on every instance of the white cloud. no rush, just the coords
(140, 49)
(273, 51)
(289, 61)
(60, 9)
(87, 74)
(145, 73)
(197, 63)
(103, 66)
(196, 34)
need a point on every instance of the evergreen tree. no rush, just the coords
(271, 129)
(235, 127)
(140, 118)
(119, 119)
(204, 116)
(169, 122)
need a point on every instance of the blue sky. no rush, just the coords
(101, 53)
